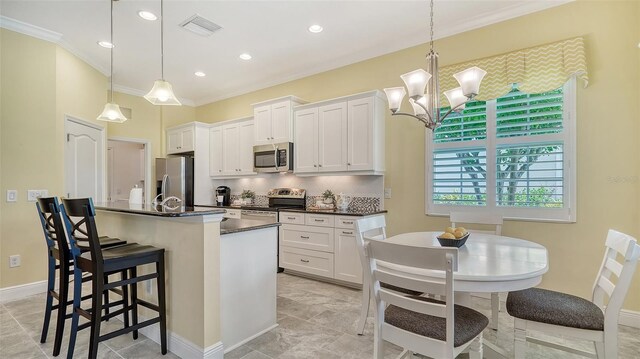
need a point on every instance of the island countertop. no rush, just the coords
(150, 210)
(233, 225)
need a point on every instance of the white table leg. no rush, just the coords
(364, 311)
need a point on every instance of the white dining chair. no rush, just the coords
(489, 219)
(556, 313)
(434, 328)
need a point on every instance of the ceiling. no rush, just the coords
(273, 32)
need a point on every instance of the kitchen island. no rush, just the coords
(219, 273)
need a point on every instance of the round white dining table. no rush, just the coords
(487, 263)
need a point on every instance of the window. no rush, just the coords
(512, 155)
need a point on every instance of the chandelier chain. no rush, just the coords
(162, 40)
(111, 55)
(431, 44)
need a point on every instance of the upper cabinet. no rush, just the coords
(273, 120)
(340, 135)
(231, 149)
(180, 139)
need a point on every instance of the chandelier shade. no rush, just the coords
(416, 81)
(456, 98)
(469, 80)
(112, 113)
(162, 94)
(394, 97)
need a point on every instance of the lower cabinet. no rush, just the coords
(320, 244)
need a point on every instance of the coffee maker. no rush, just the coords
(223, 196)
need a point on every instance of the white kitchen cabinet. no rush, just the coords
(274, 120)
(231, 149)
(306, 141)
(180, 139)
(215, 151)
(344, 135)
(332, 137)
(320, 244)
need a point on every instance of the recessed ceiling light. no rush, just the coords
(315, 29)
(147, 15)
(105, 44)
(245, 56)
(200, 74)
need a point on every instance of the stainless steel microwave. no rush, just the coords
(277, 157)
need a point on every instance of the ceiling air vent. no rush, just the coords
(199, 25)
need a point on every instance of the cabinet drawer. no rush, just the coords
(302, 260)
(315, 238)
(232, 213)
(291, 217)
(346, 222)
(322, 220)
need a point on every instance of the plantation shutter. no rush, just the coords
(459, 176)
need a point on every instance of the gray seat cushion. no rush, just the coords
(547, 306)
(467, 324)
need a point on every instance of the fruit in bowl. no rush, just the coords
(454, 233)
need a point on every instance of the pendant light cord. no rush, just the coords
(162, 40)
(111, 58)
(431, 44)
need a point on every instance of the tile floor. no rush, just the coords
(316, 320)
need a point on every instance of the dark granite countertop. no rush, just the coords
(149, 210)
(232, 225)
(338, 212)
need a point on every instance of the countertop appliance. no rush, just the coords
(276, 157)
(174, 178)
(279, 199)
(223, 196)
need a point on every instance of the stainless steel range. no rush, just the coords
(279, 199)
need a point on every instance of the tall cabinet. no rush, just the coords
(340, 135)
(231, 148)
(273, 120)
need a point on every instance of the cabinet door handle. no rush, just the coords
(345, 232)
(219, 170)
(304, 237)
(348, 164)
(304, 260)
(319, 165)
(319, 220)
(345, 222)
(315, 165)
(291, 218)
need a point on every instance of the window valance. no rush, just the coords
(535, 70)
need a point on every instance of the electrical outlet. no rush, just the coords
(14, 261)
(387, 192)
(33, 194)
(12, 195)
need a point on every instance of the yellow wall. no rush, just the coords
(42, 83)
(607, 139)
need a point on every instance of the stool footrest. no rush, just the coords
(121, 283)
(129, 329)
(149, 305)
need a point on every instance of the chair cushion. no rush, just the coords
(468, 323)
(398, 289)
(547, 306)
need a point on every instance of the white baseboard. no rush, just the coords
(629, 318)
(228, 349)
(22, 291)
(181, 346)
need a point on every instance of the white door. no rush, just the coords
(246, 147)
(215, 151)
(332, 137)
(360, 135)
(347, 261)
(84, 160)
(280, 122)
(230, 150)
(262, 121)
(306, 141)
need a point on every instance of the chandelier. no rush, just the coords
(426, 105)
(111, 111)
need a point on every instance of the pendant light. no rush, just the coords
(111, 112)
(162, 92)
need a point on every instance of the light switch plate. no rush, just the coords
(387, 192)
(12, 195)
(33, 194)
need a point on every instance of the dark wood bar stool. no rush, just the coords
(60, 262)
(79, 218)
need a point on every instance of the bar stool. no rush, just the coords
(79, 218)
(60, 262)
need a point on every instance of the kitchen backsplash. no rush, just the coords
(367, 192)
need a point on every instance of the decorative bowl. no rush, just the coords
(458, 242)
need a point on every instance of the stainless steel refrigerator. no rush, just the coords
(174, 177)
